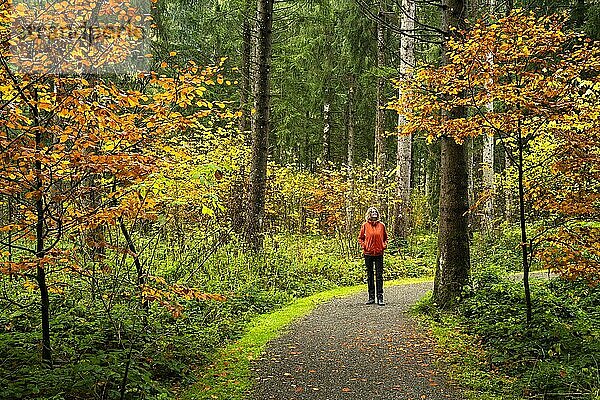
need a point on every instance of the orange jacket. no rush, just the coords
(373, 238)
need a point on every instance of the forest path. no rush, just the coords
(345, 349)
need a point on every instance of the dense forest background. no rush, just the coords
(148, 212)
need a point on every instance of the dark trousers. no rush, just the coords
(374, 262)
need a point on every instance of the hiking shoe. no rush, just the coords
(380, 302)
(371, 301)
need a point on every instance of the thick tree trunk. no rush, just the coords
(239, 189)
(453, 265)
(404, 144)
(260, 124)
(452, 272)
(380, 155)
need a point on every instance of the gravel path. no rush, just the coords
(348, 350)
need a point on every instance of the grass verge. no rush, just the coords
(464, 361)
(229, 377)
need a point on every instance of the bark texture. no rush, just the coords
(40, 251)
(453, 265)
(488, 180)
(487, 159)
(380, 113)
(260, 124)
(350, 159)
(243, 123)
(404, 144)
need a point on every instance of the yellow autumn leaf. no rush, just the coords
(133, 101)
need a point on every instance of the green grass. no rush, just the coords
(229, 377)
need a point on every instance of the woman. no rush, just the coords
(373, 239)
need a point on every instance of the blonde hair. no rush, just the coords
(369, 210)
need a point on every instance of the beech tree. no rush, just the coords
(66, 137)
(543, 82)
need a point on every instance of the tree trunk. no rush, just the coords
(243, 124)
(508, 196)
(470, 142)
(509, 6)
(350, 161)
(404, 143)
(325, 153)
(488, 180)
(239, 189)
(260, 124)
(487, 159)
(522, 224)
(9, 239)
(139, 269)
(578, 14)
(380, 114)
(453, 265)
(39, 246)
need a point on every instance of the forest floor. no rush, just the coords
(346, 349)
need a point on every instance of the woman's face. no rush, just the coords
(373, 215)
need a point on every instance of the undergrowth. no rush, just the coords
(491, 350)
(107, 344)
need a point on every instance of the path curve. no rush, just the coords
(345, 349)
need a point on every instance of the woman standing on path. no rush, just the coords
(373, 239)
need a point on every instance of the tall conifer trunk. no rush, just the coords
(245, 89)
(260, 124)
(404, 143)
(453, 265)
(350, 159)
(380, 113)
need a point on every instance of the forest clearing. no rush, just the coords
(193, 194)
